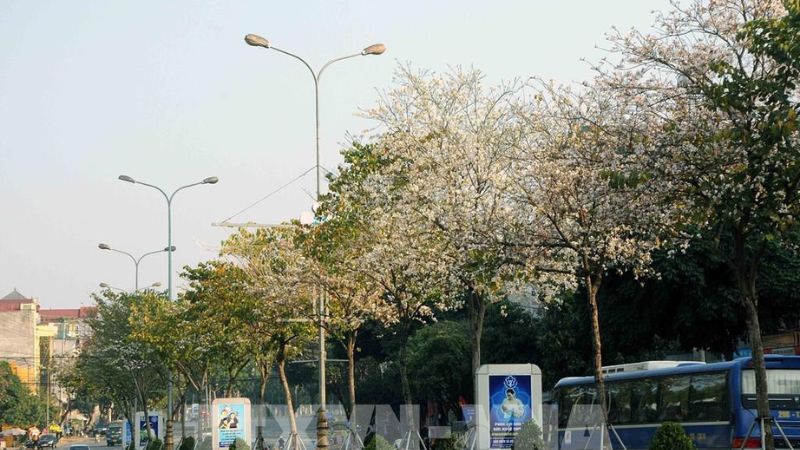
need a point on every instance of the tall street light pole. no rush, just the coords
(135, 260)
(170, 248)
(375, 49)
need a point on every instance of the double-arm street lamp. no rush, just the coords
(375, 49)
(135, 260)
(168, 198)
(170, 248)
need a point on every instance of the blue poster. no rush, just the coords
(509, 407)
(231, 423)
(144, 438)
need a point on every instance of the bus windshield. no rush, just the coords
(783, 386)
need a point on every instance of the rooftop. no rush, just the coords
(13, 300)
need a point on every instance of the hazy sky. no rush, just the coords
(169, 93)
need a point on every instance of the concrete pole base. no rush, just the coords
(322, 430)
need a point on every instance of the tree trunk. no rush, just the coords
(746, 275)
(143, 398)
(592, 287)
(288, 393)
(351, 377)
(146, 420)
(477, 313)
(406, 386)
(264, 368)
(183, 417)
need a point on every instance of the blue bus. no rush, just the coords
(715, 404)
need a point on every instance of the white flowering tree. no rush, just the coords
(581, 187)
(449, 136)
(384, 247)
(278, 277)
(724, 73)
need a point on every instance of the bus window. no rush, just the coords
(674, 404)
(575, 407)
(707, 397)
(619, 403)
(783, 386)
(644, 401)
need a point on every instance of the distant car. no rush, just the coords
(48, 440)
(45, 440)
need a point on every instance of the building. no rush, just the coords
(22, 337)
(71, 328)
(70, 331)
(35, 340)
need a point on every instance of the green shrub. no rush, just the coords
(378, 442)
(239, 444)
(670, 436)
(154, 444)
(187, 443)
(529, 437)
(444, 444)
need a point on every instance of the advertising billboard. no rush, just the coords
(141, 436)
(230, 420)
(509, 395)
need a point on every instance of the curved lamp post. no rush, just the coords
(168, 198)
(375, 49)
(135, 260)
(170, 248)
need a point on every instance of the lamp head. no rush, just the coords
(104, 247)
(168, 249)
(211, 180)
(126, 178)
(256, 41)
(374, 49)
(104, 285)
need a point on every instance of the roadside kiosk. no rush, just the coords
(508, 396)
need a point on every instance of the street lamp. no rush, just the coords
(135, 260)
(170, 249)
(375, 49)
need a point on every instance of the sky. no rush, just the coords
(169, 94)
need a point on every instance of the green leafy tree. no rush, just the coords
(18, 405)
(113, 364)
(279, 279)
(389, 247)
(352, 297)
(507, 334)
(439, 356)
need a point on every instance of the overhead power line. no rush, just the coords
(224, 222)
